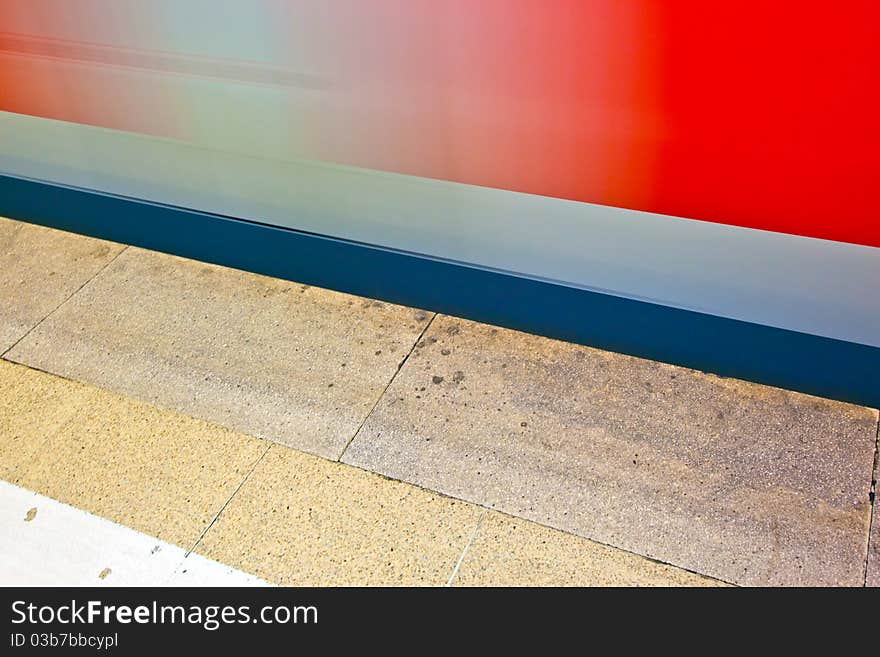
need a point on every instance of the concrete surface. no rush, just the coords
(39, 269)
(295, 364)
(152, 470)
(738, 481)
(507, 551)
(746, 483)
(292, 517)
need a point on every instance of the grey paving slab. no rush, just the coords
(295, 364)
(749, 484)
(39, 269)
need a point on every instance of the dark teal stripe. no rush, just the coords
(788, 359)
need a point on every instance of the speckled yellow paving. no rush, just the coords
(306, 521)
(285, 516)
(151, 469)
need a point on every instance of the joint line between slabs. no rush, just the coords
(387, 385)
(226, 503)
(467, 547)
(68, 298)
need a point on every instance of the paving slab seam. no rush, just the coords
(68, 298)
(385, 389)
(489, 510)
(80, 382)
(467, 547)
(610, 546)
(269, 446)
(872, 496)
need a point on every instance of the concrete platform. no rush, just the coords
(118, 491)
(177, 398)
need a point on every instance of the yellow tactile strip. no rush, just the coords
(32, 407)
(306, 521)
(286, 516)
(153, 470)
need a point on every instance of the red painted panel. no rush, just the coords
(750, 113)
